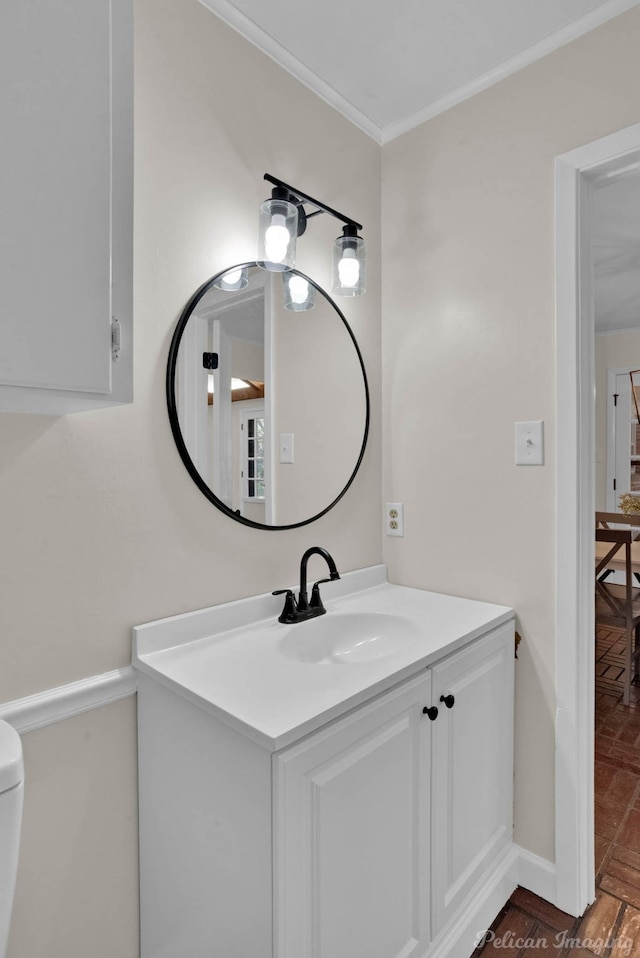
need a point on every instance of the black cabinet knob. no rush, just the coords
(448, 700)
(431, 711)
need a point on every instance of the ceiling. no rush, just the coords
(390, 67)
(387, 69)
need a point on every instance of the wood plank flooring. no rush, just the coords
(610, 928)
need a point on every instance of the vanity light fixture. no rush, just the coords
(233, 279)
(299, 294)
(283, 218)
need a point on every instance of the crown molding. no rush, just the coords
(275, 51)
(536, 52)
(616, 332)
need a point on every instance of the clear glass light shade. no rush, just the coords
(299, 294)
(278, 230)
(349, 266)
(233, 279)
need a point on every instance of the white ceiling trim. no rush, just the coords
(553, 42)
(268, 45)
(243, 25)
(615, 332)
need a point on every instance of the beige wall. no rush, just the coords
(102, 527)
(77, 887)
(613, 351)
(469, 348)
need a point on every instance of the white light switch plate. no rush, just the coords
(286, 447)
(530, 443)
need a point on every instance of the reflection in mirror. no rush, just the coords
(268, 397)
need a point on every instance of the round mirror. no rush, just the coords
(267, 396)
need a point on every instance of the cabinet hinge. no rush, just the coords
(116, 339)
(210, 360)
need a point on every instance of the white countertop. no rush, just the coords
(231, 661)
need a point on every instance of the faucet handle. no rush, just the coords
(288, 613)
(315, 601)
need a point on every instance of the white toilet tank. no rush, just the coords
(11, 792)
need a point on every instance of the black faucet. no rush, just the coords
(305, 608)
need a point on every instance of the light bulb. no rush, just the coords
(349, 268)
(277, 232)
(276, 240)
(349, 265)
(299, 289)
(232, 277)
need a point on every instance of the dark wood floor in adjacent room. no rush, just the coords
(610, 928)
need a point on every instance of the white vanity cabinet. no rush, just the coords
(66, 232)
(383, 833)
(386, 820)
(352, 833)
(471, 770)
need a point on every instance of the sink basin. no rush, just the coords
(275, 682)
(348, 638)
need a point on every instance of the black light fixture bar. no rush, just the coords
(301, 197)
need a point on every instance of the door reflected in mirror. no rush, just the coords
(268, 397)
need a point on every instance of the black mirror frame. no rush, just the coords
(173, 409)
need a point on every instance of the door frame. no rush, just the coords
(575, 173)
(612, 435)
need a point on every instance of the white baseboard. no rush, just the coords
(480, 909)
(517, 866)
(536, 874)
(55, 705)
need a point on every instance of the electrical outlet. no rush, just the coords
(394, 519)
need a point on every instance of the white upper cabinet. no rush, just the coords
(66, 182)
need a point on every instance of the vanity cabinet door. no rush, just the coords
(351, 843)
(472, 767)
(66, 232)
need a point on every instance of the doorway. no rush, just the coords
(622, 443)
(578, 174)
